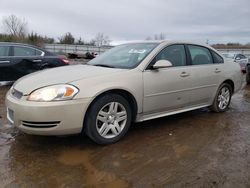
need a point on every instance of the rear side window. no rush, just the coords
(4, 50)
(200, 55)
(243, 57)
(38, 52)
(217, 59)
(174, 53)
(26, 51)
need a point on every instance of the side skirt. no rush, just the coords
(145, 117)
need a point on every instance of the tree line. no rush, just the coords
(232, 46)
(16, 30)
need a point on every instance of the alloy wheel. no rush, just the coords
(223, 98)
(111, 120)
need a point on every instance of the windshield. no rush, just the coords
(125, 56)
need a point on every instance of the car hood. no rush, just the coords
(60, 75)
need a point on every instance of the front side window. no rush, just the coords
(4, 50)
(200, 55)
(238, 57)
(125, 56)
(174, 53)
(24, 51)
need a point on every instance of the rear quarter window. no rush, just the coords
(217, 58)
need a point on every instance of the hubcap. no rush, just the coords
(111, 120)
(223, 98)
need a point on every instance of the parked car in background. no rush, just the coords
(238, 58)
(248, 73)
(17, 60)
(87, 55)
(91, 55)
(129, 83)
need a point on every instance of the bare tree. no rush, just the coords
(101, 39)
(67, 38)
(15, 26)
(160, 36)
(80, 41)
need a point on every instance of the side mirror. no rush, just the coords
(237, 58)
(162, 64)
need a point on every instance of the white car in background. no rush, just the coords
(129, 83)
(238, 58)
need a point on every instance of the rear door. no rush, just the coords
(25, 60)
(206, 69)
(4, 62)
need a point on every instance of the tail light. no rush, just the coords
(64, 60)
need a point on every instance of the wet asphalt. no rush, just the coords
(194, 149)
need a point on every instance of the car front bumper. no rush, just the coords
(46, 118)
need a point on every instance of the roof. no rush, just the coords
(16, 43)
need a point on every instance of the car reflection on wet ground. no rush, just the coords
(193, 149)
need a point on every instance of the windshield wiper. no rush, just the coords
(104, 65)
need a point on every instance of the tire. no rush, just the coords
(108, 119)
(222, 99)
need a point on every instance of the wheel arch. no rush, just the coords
(231, 83)
(124, 93)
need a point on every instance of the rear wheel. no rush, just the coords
(108, 119)
(222, 99)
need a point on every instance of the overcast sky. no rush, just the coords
(197, 20)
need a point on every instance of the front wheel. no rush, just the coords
(222, 99)
(108, 119)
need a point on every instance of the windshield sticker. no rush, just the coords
(136, 51)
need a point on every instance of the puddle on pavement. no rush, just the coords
(193, 149)
(6, 176)
(92, 175)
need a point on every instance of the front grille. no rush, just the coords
(16, 94)
(40, 124)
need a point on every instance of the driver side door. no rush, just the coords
(167, 89)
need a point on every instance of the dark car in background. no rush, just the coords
(17, 60)
(248, 73)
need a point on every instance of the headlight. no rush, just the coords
(53, 93)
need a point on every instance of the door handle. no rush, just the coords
(4, 61)
(184, 74)
(217, 70)
(37, 60)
